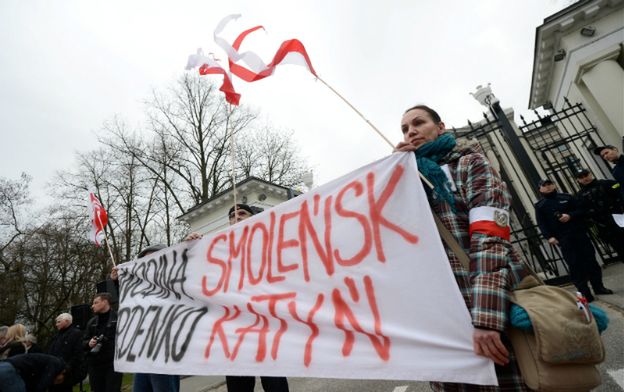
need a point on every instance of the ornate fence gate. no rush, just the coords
(561, 143)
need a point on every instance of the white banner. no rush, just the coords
(349, 280)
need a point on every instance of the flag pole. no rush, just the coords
(357, 111)
(232, 155)
(110, 251)
(423, 178)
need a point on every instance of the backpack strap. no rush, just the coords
(450, 241)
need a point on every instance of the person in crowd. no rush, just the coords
(467, 189)
(14, 341)
(99, 343)
(31, 372)
(30, 343)
(151, 382)
(67, 345)
(611, 154)
(237, 213)
(3, 332)
(599, 200)
(561, 222)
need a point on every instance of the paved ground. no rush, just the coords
(612, 369)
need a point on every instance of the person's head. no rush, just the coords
(101, 303)
(150, 249)
(584, 177)
(60, 377)
(16, 332)
(29, 340)
(63, 321)
(546, 186)
(239, 212)
(421, 124)
(608, 153)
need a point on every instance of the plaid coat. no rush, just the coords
(495, 267)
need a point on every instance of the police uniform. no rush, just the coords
(599, 200)
(618, 173)
(576, 247)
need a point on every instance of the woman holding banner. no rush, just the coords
(472, 202)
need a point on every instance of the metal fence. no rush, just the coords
(561, 143)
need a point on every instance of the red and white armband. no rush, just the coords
(490, 221)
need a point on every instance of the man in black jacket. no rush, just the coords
(99, 341)
(600, 200)
(31, 372)
(611, 154)
(67, 345)
(561, 222)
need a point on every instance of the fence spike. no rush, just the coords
(523, 120)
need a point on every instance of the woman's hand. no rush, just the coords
(488, 343)
(193, 236)
(404, 147)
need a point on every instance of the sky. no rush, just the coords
(69, 66)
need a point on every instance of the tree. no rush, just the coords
(14, 197)
(271, 155)
(144, 179)
(195, 126)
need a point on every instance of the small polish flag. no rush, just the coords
(99, 219)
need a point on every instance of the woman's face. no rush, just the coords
(419, 128)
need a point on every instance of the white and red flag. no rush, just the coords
(290, 51)
(99, 219)
(208, 66)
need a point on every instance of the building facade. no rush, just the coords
(212, 215)
(579, 55)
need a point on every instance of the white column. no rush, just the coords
(605, 82)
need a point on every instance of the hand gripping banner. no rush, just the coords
(349, 280)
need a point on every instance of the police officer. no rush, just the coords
(611, 154)
(561, 222)
(599, 200)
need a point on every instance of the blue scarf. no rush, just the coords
(427, 156)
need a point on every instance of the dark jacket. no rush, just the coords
(548, 209)
(599, 199)
(101, 324)
(34, 349)
(13, 348)
(67, 345)
(37, 370)
(618, 170)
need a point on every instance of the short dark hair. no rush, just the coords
(241, 207)
(105, 296)
(434, 115)
(599, 149)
